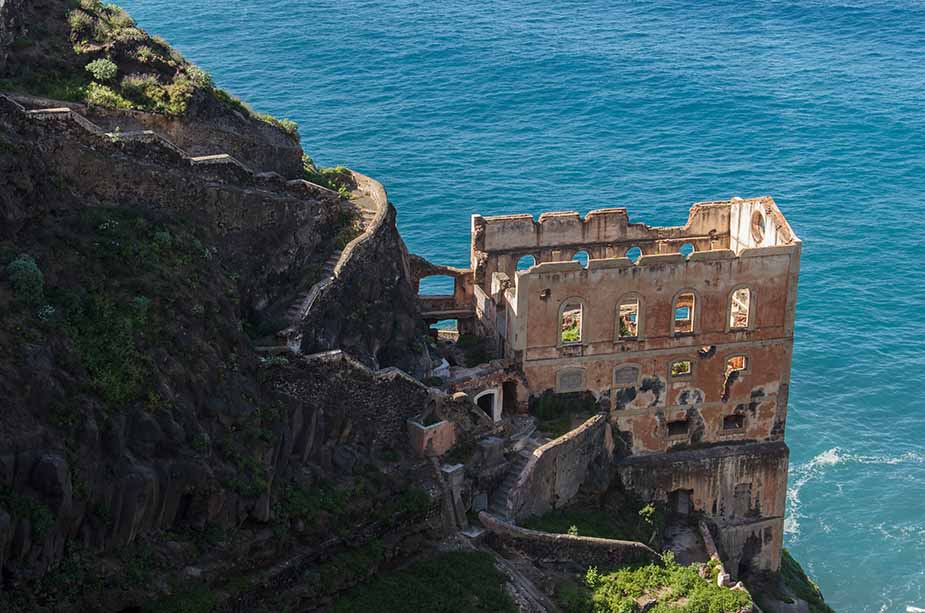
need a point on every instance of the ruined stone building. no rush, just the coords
(684, 335)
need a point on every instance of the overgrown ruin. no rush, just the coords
(683, 336)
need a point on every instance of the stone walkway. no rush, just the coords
(369, 199)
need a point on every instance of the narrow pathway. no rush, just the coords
(369, 201)
(501, 499)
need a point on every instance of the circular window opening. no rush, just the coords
(634, 253)
(758, 227)
(686, 249)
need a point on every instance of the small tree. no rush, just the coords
(27, 280)
(103, 70)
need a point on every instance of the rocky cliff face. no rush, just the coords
(139, 421)
(46, 45)
(372, 311)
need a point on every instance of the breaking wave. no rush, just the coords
(801, 474)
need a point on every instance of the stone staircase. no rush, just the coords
(370, 204)
(501, 503)
(237, 169)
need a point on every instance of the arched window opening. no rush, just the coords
(684, 313)
(526, 262)
(582, 258)
(488, 402)
(634, 253)
(686, 249)
(739, 306)
(571, 322)
(758, 227)
(628, 318)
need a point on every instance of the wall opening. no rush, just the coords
(488, 402)
(736, 363)
(525, 262)
(680, 502)
(582, 258)
(679, 427)
(684, 313)
(758, 227)
(570, 329)
(734, 422)
(681, 368)
(739, 306)
(509, 396)
(735, 366)
(686, 249)
(634, 253)
(628, 318)
(437, 285)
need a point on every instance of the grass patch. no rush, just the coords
(634, 523)
(677, 589)
(452, 582)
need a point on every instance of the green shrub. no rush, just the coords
(100, 95)
(103, 69)
(678, 589)
(27, 280)
(141, 86)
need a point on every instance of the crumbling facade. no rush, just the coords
(684, 335)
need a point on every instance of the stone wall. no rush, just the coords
(285, 222)
(742, 489)
(582, 551)
(212, 130)
(558, 469)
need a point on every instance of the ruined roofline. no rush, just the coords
(605, 233)
(694, 209)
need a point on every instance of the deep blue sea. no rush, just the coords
(527, 106)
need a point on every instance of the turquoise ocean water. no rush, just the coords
(526, 106)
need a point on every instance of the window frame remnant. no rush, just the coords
(571, 305)
(624, 381)
(740, 310)
(634, 330)
(570, 371)
(687, 323)
(681, 368)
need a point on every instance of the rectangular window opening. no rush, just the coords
(681, 368)
(738, 309)
(736, 363)
(678, 427)
(629, 319)
(733, 422)
(684, 314)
